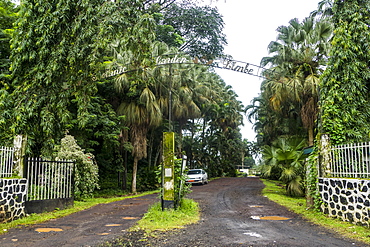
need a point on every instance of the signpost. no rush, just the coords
(168, 176)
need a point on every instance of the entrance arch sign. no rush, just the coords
(220, 63)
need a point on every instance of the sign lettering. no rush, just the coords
(222, 63)
(110, 73)
(175, 59)
(236, 66)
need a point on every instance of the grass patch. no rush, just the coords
(157, 220)
(78, 206)
(276, 192)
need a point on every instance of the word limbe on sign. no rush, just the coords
(236, 66)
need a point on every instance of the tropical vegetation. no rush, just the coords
(284, 161)
(316, 83)
(95, 70)
(103, 71)
(345, 83)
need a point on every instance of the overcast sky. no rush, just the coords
(250, 26)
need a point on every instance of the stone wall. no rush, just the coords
(348, 199)
(13, 194)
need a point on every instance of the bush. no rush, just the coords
(86, 169)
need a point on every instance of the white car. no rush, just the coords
(197, 176)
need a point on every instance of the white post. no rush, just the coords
(20, 142)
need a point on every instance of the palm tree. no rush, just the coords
(270, 124)
(299, 57)
(284, 160)
(324, 9)
(153, 93)
(139, 105)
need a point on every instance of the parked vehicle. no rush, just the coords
(197, 176)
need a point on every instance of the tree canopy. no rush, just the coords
(344, 88)
(60, 55)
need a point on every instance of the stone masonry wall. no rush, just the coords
(13, 194)
(348, 199)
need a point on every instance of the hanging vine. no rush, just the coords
(344, 85)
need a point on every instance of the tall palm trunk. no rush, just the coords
(138, 138)
(309, 116)
(310, 136)
(134, 174)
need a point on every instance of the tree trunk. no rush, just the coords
(310, 136)
(150, 150)
(134, 173)
(124, 179)
(157, 156)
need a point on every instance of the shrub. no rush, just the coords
(86, 169)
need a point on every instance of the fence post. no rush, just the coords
(20, 142)
(325, 157)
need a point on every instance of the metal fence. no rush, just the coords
(49, 179)
(350, 161)
(6, 161)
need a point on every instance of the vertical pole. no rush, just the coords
(168, 178)
(170, 100)
(325, 161)
(183, 166)
(19, 143)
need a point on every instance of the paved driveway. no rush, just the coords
(234, 213)
(90, 227)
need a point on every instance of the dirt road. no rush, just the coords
(235, 214)
(90, 227)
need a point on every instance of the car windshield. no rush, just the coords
(194, 172)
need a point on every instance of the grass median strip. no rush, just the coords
(157, 220)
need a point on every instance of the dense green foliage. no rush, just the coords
(345, 83)
(56, 50)
(199, 27)
(318, 81)
(291, 86)
(86, 169)
(60, 55)
(284, 161)
(8, 16)
(288, 106)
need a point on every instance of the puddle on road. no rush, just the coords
(130, 218)
(256, 206)
(273, 217)
(48, 230)
(113, 225)
(253, 234)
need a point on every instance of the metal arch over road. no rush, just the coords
(221, 63)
